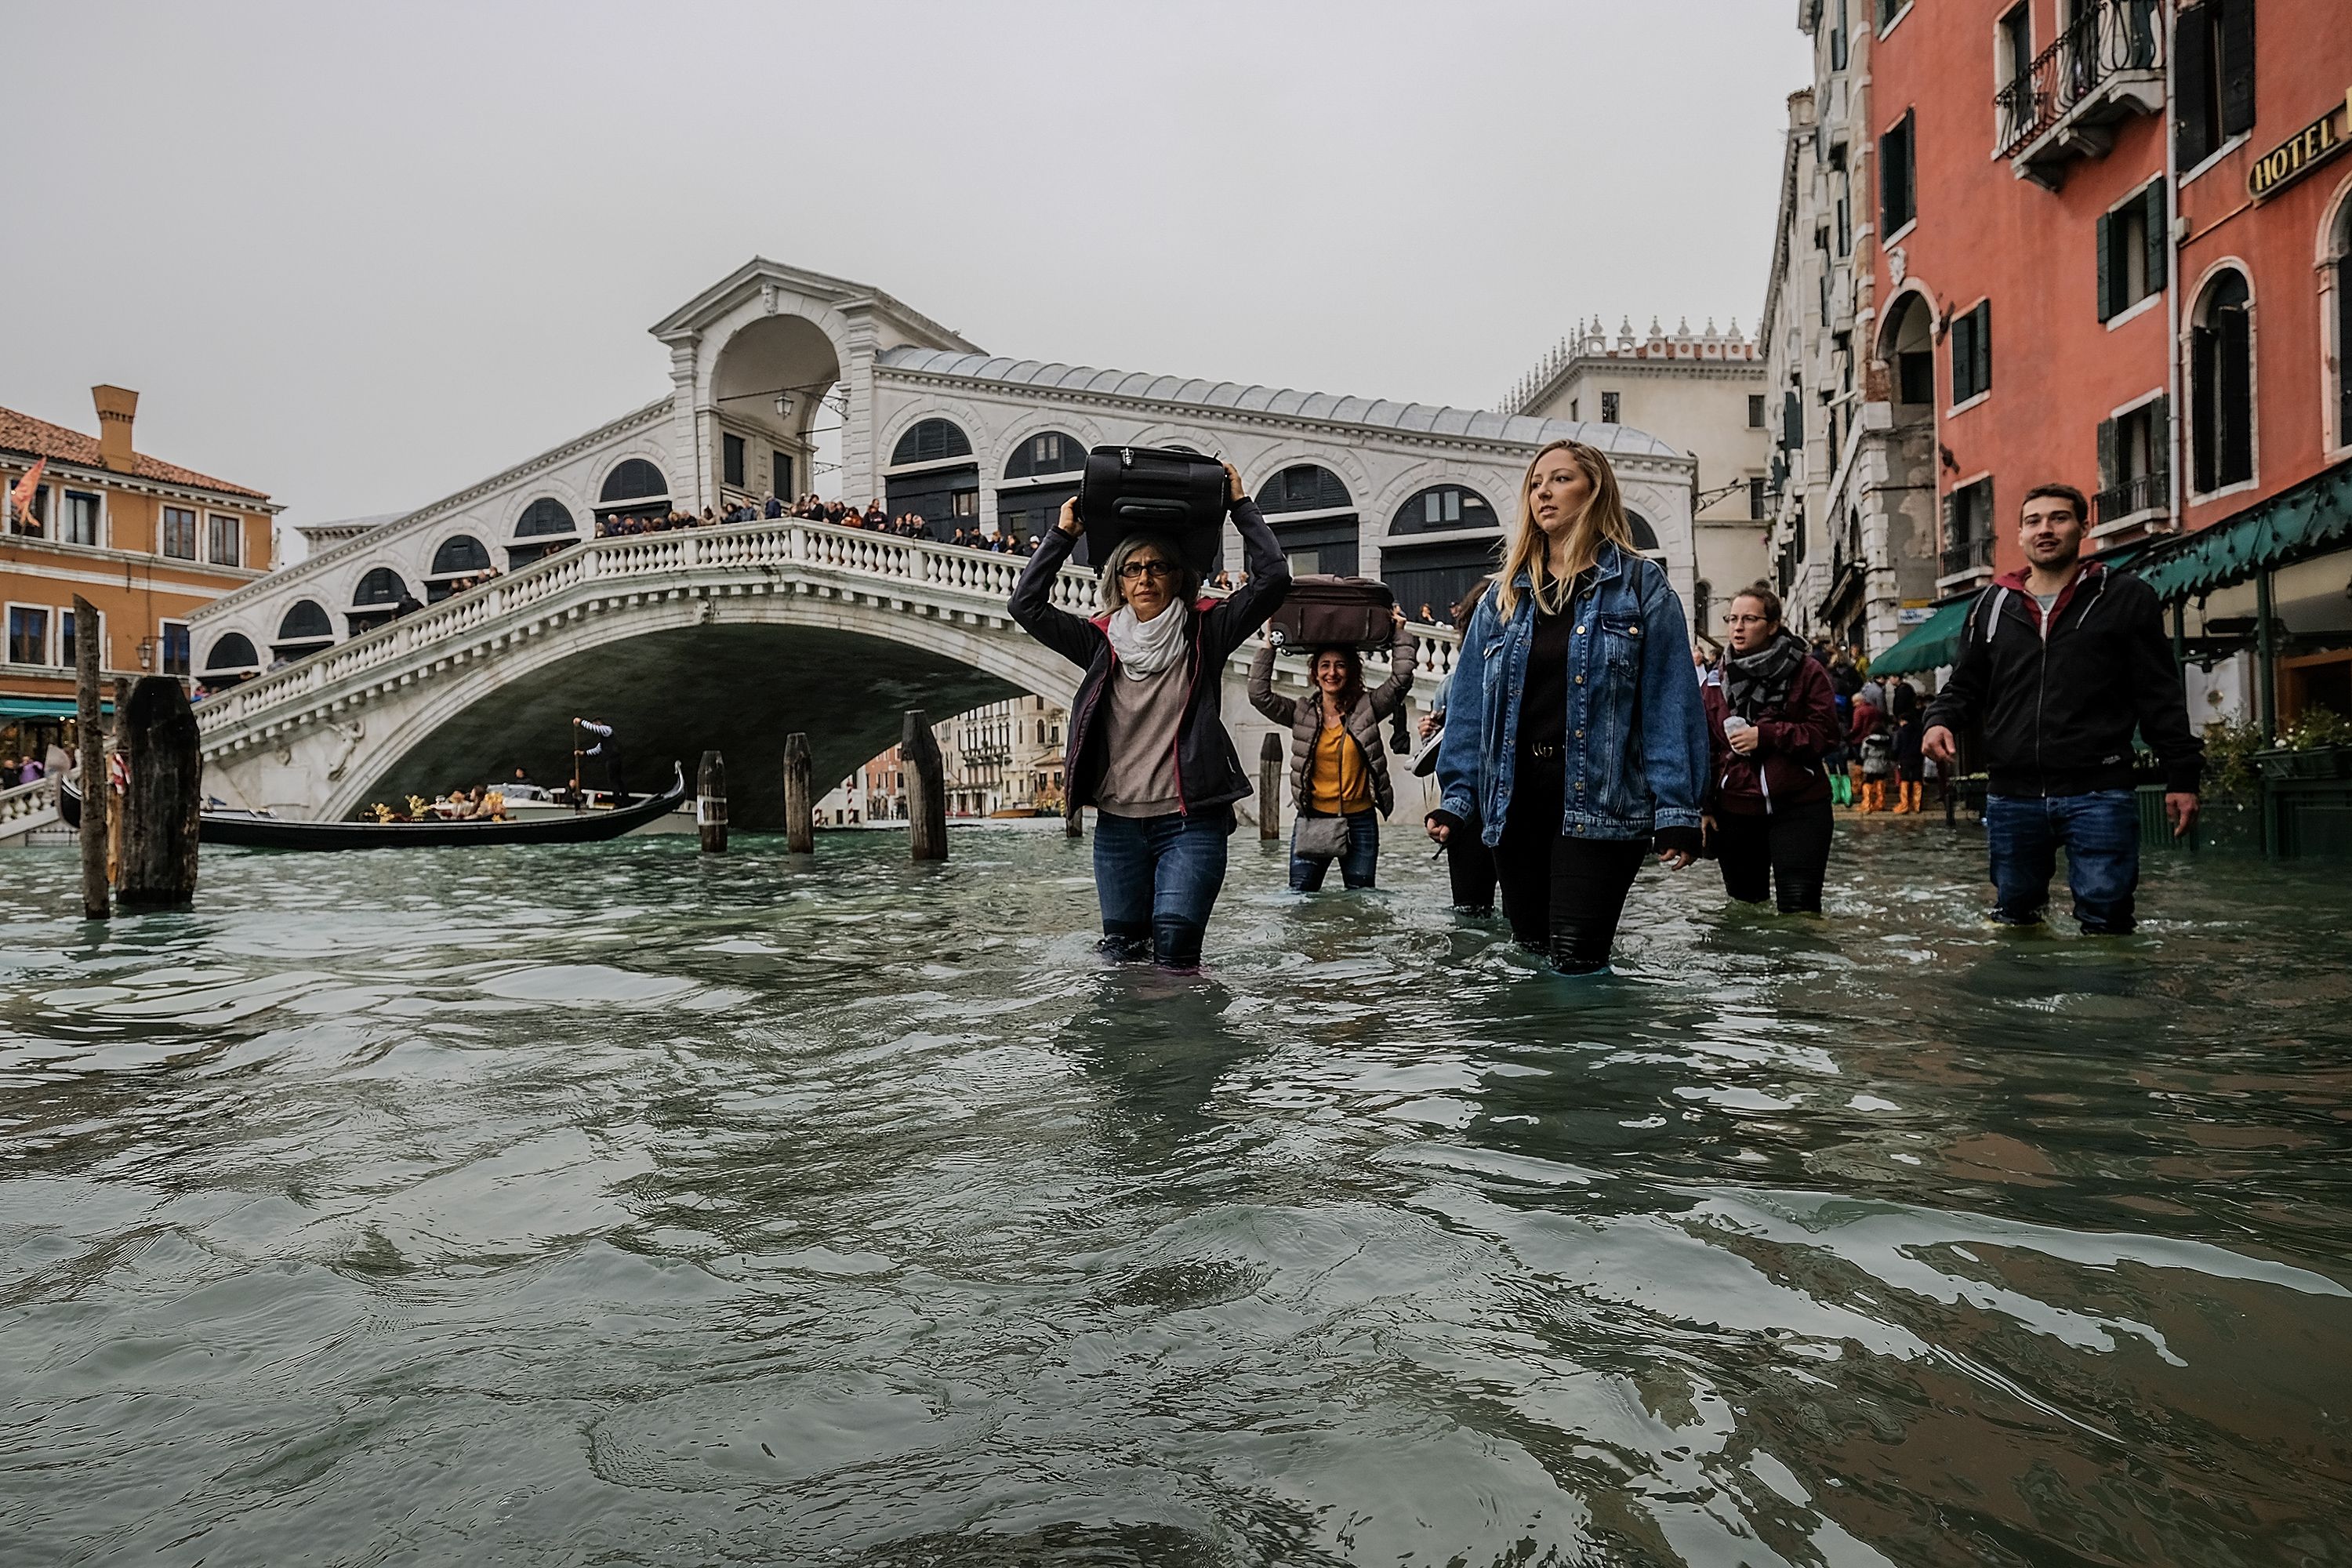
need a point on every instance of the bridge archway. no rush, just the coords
(673, 680)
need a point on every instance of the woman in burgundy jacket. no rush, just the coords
(1771, 719)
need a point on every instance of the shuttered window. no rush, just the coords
(2221, 385)
(1971, 344)
(1897, 181)
(2213, 72)
(2132, 254)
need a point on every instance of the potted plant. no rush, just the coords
(2318, 745)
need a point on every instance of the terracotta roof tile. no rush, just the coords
(21, 433)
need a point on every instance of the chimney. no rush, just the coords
(117, 406)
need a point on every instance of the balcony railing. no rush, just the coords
(2078, 79)
(1967, 555)
(2149, 492)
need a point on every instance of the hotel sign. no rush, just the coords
(2299, 155)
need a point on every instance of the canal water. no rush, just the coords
(616, 1204)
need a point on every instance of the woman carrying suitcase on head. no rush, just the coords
(1574, 729)
(1148, 747)
(1771, 717)
(1338, 769)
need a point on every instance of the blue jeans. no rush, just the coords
(2101, 833)
(1157, 878)
(1357, 865)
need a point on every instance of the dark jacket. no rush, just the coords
(1362, 721)
(1785, 768)
(1208, 772)
(2058, 710)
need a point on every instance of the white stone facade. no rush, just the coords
(1854, 534)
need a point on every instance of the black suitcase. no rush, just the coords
(1147, 490)
(1334, 612)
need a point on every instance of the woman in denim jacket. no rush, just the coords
(1575, 731)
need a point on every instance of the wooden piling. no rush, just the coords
(97, 798)
(927, 792)
(161, 806)
(710, 802)
(800, 796)
(1269, 787)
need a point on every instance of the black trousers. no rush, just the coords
(1470, 867)
(1786, 853)
(1562, 894)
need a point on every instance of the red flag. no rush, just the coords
(20, 500)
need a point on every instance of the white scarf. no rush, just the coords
(1147, 648)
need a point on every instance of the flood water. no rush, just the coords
(617, 1206)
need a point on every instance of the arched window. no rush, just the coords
(2221, 383)
(462, 552)
(547, 515)
(2342, 269)
(1645, 538)
(307, 622)
(929, 441)
(1048, 452)
(1443, 509)
(381, 586)
(1304, 487)
(1907, 345)
(634, 480)
(232, 653)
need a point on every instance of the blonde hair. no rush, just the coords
(1604, 518)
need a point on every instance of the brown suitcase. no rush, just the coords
(1323, 611)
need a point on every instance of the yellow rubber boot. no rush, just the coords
(1902, 798)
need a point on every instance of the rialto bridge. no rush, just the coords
(727, 637)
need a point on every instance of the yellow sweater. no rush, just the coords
(1339, 783)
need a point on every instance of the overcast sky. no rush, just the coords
(360, 257)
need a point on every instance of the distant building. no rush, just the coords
(1703, 392)
(148, 542)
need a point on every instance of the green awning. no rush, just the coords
(1932, 644)
(2291, 524)
(44, 707)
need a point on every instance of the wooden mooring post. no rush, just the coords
(164, 798)
(927, 794)
(800, 796)
(1269, 788)
(97, 797)
(710, 804)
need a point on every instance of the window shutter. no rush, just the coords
(1964, 359)
(1792, 423)
(1984, 346)
(2106, 244)
(2204, 400)
(2192, 73)
(1889, 180)
(2108, 477)
(2237, 389)
(2236, 66)
(2159, 437)
(2159, 239)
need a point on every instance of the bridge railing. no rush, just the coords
(782, 546)
(27, 806)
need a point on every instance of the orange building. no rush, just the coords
(145, 541)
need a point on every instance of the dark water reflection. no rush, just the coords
(610, 1205)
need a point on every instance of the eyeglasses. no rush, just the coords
(1748, 620)
(1133, 570)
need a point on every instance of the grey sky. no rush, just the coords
(362, 256)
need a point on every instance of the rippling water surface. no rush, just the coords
(616, 1206)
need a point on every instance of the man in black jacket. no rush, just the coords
(2059, 662)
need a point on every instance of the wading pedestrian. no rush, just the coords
(1574, 729)
(1338, 769)
(1147, 745)
(2059, 662)
(1771, 717)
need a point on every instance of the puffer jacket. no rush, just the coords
(1362, 721)
(1208, 773)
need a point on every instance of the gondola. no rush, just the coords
(260, 830)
